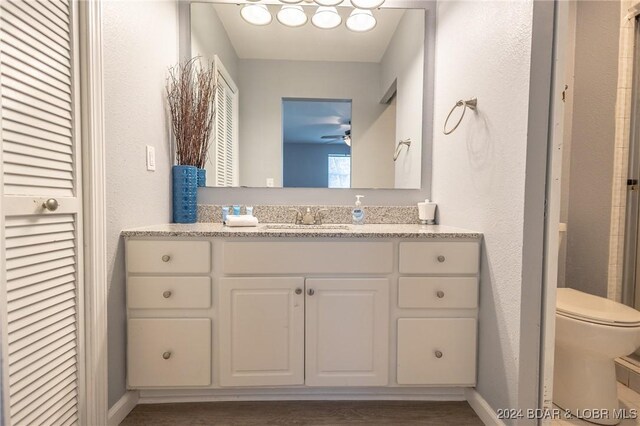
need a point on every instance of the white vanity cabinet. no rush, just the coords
(168, 300)
(214, 313)
(437, 325)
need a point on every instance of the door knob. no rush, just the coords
(311, 292)
(166, 258)
(441, 259)
(438, 354)
(440, 294)
(166, 355)
(298, 291)
(51, 204)
(166, 294)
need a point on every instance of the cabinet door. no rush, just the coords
(347, 332)
(261, 331)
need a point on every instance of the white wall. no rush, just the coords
(483, 50)
(263, 84)
(588, 191)
(140, 43)
(209, 38)
(403, 65)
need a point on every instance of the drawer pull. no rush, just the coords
(311, 292)
(166, 294)
(438, 354)
(298, 291)
(166, 355)
(440, 294)
(441, 259)
(166, 258)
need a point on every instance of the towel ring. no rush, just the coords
(471, 104)
(406, 142)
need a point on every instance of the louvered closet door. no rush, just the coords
(225, 149)
(42, 248)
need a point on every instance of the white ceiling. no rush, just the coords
(308, 43)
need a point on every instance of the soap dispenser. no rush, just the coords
(357, 214)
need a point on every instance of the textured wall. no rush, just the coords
(403, 65)
(140, 43)
(306, 165)
(479, 170)
(592, 150)
(209, 38)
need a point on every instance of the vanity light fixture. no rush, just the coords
(326, 18)
(328, 2)
(367, 4)
(256, 14)
(292, 16)
(289, 1)
(361, 21)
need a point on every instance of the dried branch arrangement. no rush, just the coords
(191, 90)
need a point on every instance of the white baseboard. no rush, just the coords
(301, 394)
(482, 408)
(122, 408)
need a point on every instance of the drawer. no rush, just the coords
(438, 292)
(308, 257)
(169, 352)
(168, 257)
(168, 292)
(435, 351)
(439, 258)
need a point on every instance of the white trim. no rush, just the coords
(94, 181)
(122, 408)
(482, 408)
(301, 394)
(552, 220)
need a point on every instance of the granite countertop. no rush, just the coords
(266, 230)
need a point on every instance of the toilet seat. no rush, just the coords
(593, 309)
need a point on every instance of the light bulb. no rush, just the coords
(256, 14)
(292, 16)
(328, 2)
(326, 18)
(367, 4)
(361, 21)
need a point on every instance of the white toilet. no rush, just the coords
(591, 332)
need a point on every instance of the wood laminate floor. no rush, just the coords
(305, 413)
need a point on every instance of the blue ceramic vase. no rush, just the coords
(185, 194)
(202, 177)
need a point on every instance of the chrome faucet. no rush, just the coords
(308, 218)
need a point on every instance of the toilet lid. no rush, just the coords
(588, 307)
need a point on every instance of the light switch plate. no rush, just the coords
(269, 182)
(151, 158)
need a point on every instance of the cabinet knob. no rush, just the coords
(441, 259)
(167, 294)
(51, 204)
(166, 258)
(298, 291)
(438, 354)
(311, 292)
(440, 294)
(166, 355)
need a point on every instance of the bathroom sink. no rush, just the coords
(293, 226)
